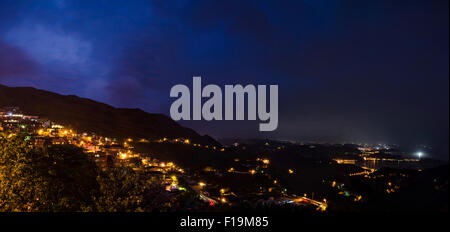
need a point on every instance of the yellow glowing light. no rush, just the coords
(123, 155)
(291, 171)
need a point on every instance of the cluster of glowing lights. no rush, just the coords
(123, 155)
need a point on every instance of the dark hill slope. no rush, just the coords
(90, 116)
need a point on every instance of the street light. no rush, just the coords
(420, 154)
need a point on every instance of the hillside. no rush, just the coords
(87, 115)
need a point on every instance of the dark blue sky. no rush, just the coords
(374, 71)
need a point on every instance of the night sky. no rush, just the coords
(362, 71)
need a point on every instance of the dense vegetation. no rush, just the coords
(62, 178)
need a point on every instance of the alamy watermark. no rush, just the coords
(212, 108)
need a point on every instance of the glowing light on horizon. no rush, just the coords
(420, 154)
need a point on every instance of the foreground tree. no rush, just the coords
(56, 178)
(121, 190)
(61, 178)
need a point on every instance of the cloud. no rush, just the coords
(60, 3)
(47, 45)
(14, 62)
